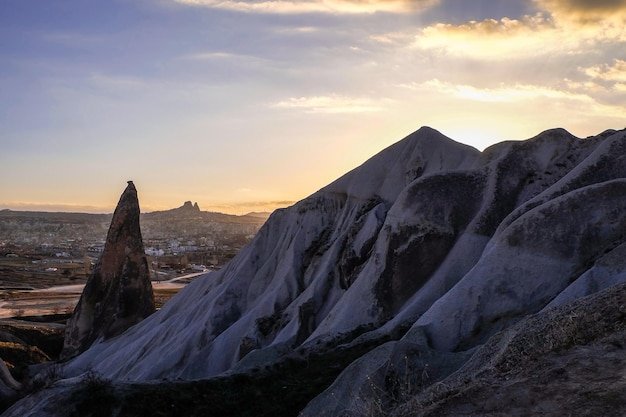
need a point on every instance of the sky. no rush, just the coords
(252, 105)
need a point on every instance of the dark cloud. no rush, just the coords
(585, 10)
(591, 5)
(462, 11)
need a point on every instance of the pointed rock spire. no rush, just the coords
(118, 293)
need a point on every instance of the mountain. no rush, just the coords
(416, 260)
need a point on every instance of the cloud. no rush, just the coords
(248, 207)
(501, 94)
(518, 38)
(585, 11)
(219, 55)
(118, 82)
(605, 72)
(606, 81)
(590, 21)
(588, 86)
(560, 27)
(332, 104)
(299, 30)
(495, 39)
(314, 6)
(518, 93)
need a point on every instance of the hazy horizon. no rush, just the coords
(71, 208)
(251, 105)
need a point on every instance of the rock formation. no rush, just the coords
(118, 293)
(455, 242)
(417, 258)
(190, 207)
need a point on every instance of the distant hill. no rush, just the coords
(62, 217)
(192, 211)
(184, 211)
(38, 227)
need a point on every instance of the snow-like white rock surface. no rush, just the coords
(300, 266)
(431, 232)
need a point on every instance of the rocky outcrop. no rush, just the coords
(118, 293)
(187, 206)
(458, 243)
(419, 257)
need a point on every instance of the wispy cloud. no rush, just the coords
(519, 93)
(314, 6)
(299, 29)
(332, 104)
(391, 38)
(247, 207)
(512, 93)
(118, 82)
(216, 55)
(615, 72)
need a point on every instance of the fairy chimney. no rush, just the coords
(118, 293)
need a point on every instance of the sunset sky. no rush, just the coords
(251, 105)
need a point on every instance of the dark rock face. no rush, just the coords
(118, 293)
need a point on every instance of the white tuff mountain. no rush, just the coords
(426, 251)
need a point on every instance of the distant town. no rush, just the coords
(177, 241)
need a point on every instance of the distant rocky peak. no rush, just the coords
(189, 206)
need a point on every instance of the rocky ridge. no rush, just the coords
(418, 257)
